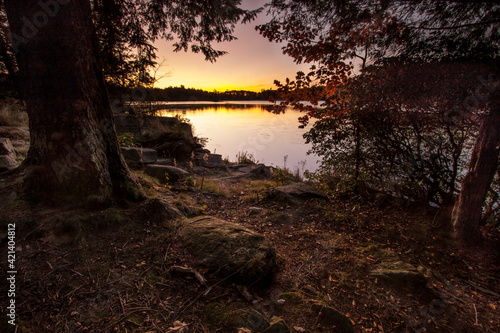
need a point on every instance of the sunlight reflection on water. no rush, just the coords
(232, 128)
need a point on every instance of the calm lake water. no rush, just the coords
(233, 127)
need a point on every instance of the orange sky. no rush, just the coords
(252, 62)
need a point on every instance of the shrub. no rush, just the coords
(127, 140)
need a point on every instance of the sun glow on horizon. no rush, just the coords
(252, 63)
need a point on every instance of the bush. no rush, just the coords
(127, 140)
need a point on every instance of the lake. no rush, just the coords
(233, 127)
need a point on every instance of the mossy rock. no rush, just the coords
(400, 274)
(229, 248)
(252, 320)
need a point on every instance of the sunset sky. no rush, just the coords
(252, 62)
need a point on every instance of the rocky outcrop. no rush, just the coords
(295, 193)
(173, 145)
(229, 248)
(252, 171)
(205, 159)
(7, 155)
(139, 156)
(166, 173)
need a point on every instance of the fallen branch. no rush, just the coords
(187, 270)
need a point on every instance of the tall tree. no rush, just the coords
(74, 153)
(339, 35)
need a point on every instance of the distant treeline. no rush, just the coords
(186, 94)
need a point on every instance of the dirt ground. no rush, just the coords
(110, 271)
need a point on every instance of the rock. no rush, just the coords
(249, 171)
(139, 156)
(165, 161)
(160, 210)
(127, 123)
(175, 144)
(260, 171)
(7, 155)
(297, 192)
(241, 167)
(229, 248)
(331, 317)
(6, 147)
(166, 124)
(165, 173)
(253, 320)
(277, 325)
(398, 273)
(255, 211)
(211, 161)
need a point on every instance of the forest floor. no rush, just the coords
(109, 270)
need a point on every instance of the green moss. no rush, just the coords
(221, 315)
(294, 297)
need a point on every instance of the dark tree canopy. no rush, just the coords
(127, 30)
(431, 57)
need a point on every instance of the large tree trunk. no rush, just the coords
(467, 215)
(74, 153)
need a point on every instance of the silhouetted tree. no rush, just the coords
(344, 37)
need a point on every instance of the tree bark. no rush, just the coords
(467, 214)
(74, 153)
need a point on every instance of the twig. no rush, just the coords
(159, 329)
(475, 310)
(76, 272)
(187, 270)
(208, 289)
(484, 290)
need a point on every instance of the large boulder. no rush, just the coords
(160, 210)
(229, 248)
(7, 155)
(295, 193)
(139, 156)
(166, 173)
(261, 171)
